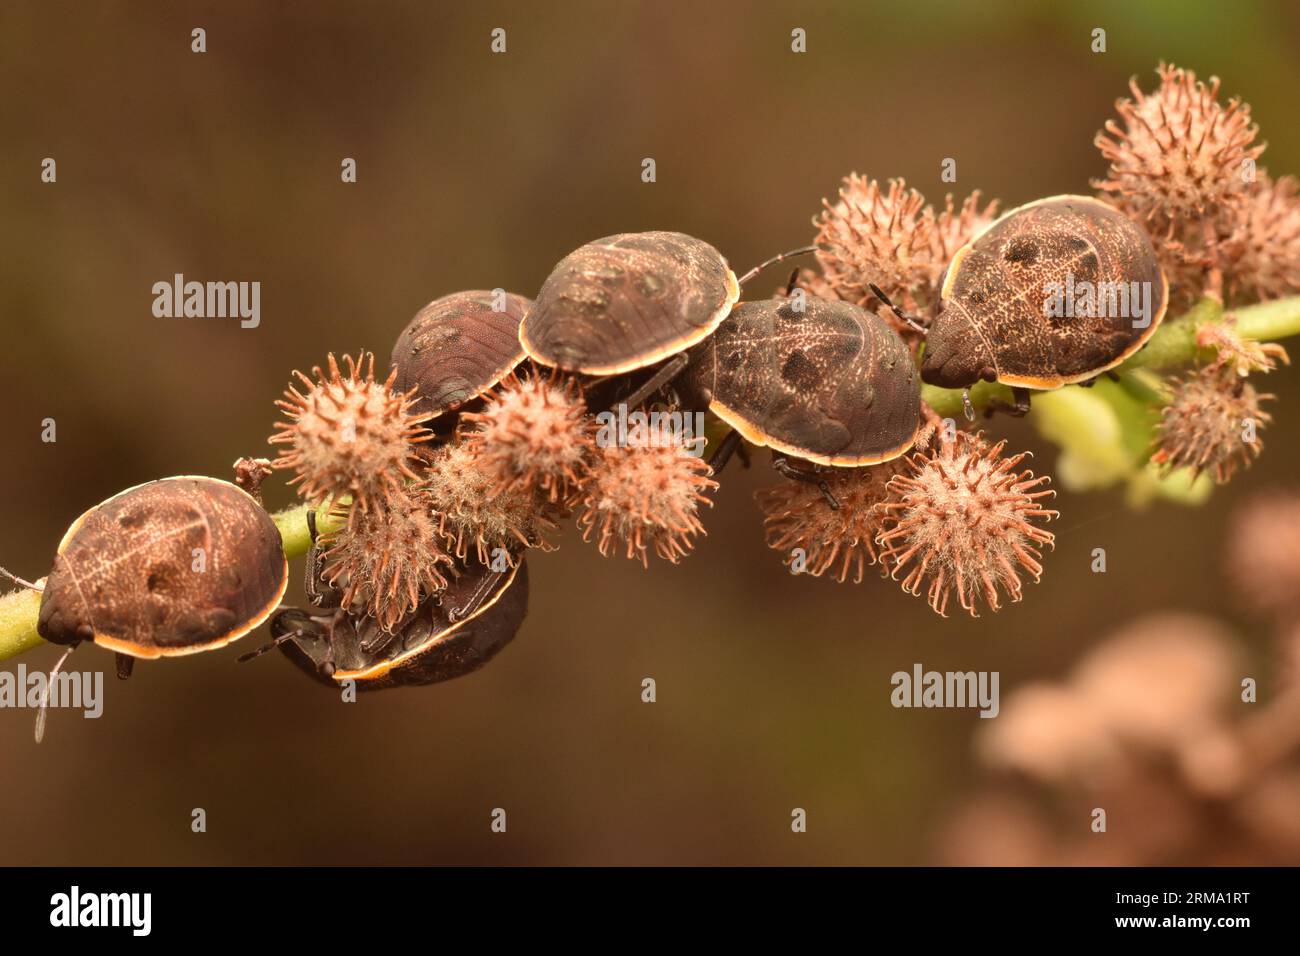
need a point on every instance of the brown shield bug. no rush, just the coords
(627, 302)
(831, 384)
(459, 346)
(164, 569)
(449, 635)
(1055, 292)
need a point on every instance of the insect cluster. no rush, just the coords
(493, 428)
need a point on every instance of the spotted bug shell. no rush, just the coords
(167, 568)
(628, 301)
(833, 384)
(996, 316)
(447, 636)
(458, 347)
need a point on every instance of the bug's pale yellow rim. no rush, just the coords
(644, 361)
(756, 436)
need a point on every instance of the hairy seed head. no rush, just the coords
(962, 519)
(1179, 153)
(533, 433)
(841, 541)
(1264, 248)
(1211, 424)
(348, 434)
(644, 497)
(472, 510)
(388, 559)
(872, 236)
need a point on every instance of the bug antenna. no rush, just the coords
(779, 257)
(45, 694)
(791, 283)
(22, 582)
(272, 645)
(912, 321)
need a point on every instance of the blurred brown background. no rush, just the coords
(477, 171)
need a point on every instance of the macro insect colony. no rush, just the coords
(482, 439)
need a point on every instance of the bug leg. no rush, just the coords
(790, 285)
(742, 452)
(798, 474)
(662, 376)
(319, 592)
(124, 663)
(378, 642)
(730, 442)
(1017, 408)
(21, 582)
(915, 324)
(329, 665)
(269, 646)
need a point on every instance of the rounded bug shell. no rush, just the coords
(628, 301)
(163, 569)
(1013, 306)
(447, 636)
(457, 347)
(832, 384)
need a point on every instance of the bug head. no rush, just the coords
(955, 355)
(64, 617)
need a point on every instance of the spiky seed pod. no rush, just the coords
(644, 497)
(1263, 555)
(1211, 424)
(1179, 153)
(390, 558)
(963, 519)
(348, 434)
(869, 235)
(472, 511)
(842, 542)
(533, 432)
(953, 228)
(1265, 241)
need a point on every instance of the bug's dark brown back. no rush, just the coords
(627, 301)
(997, 298)
(832, 384)
(171, 567)
(457, 347)
(428, 647)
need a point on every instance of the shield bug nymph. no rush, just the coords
(830, 384)
(627, 302)
(449, 635)
(458, 347)
(164, 569)
(1055, 292)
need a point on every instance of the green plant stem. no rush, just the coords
(1172, 346)
(19, 609)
